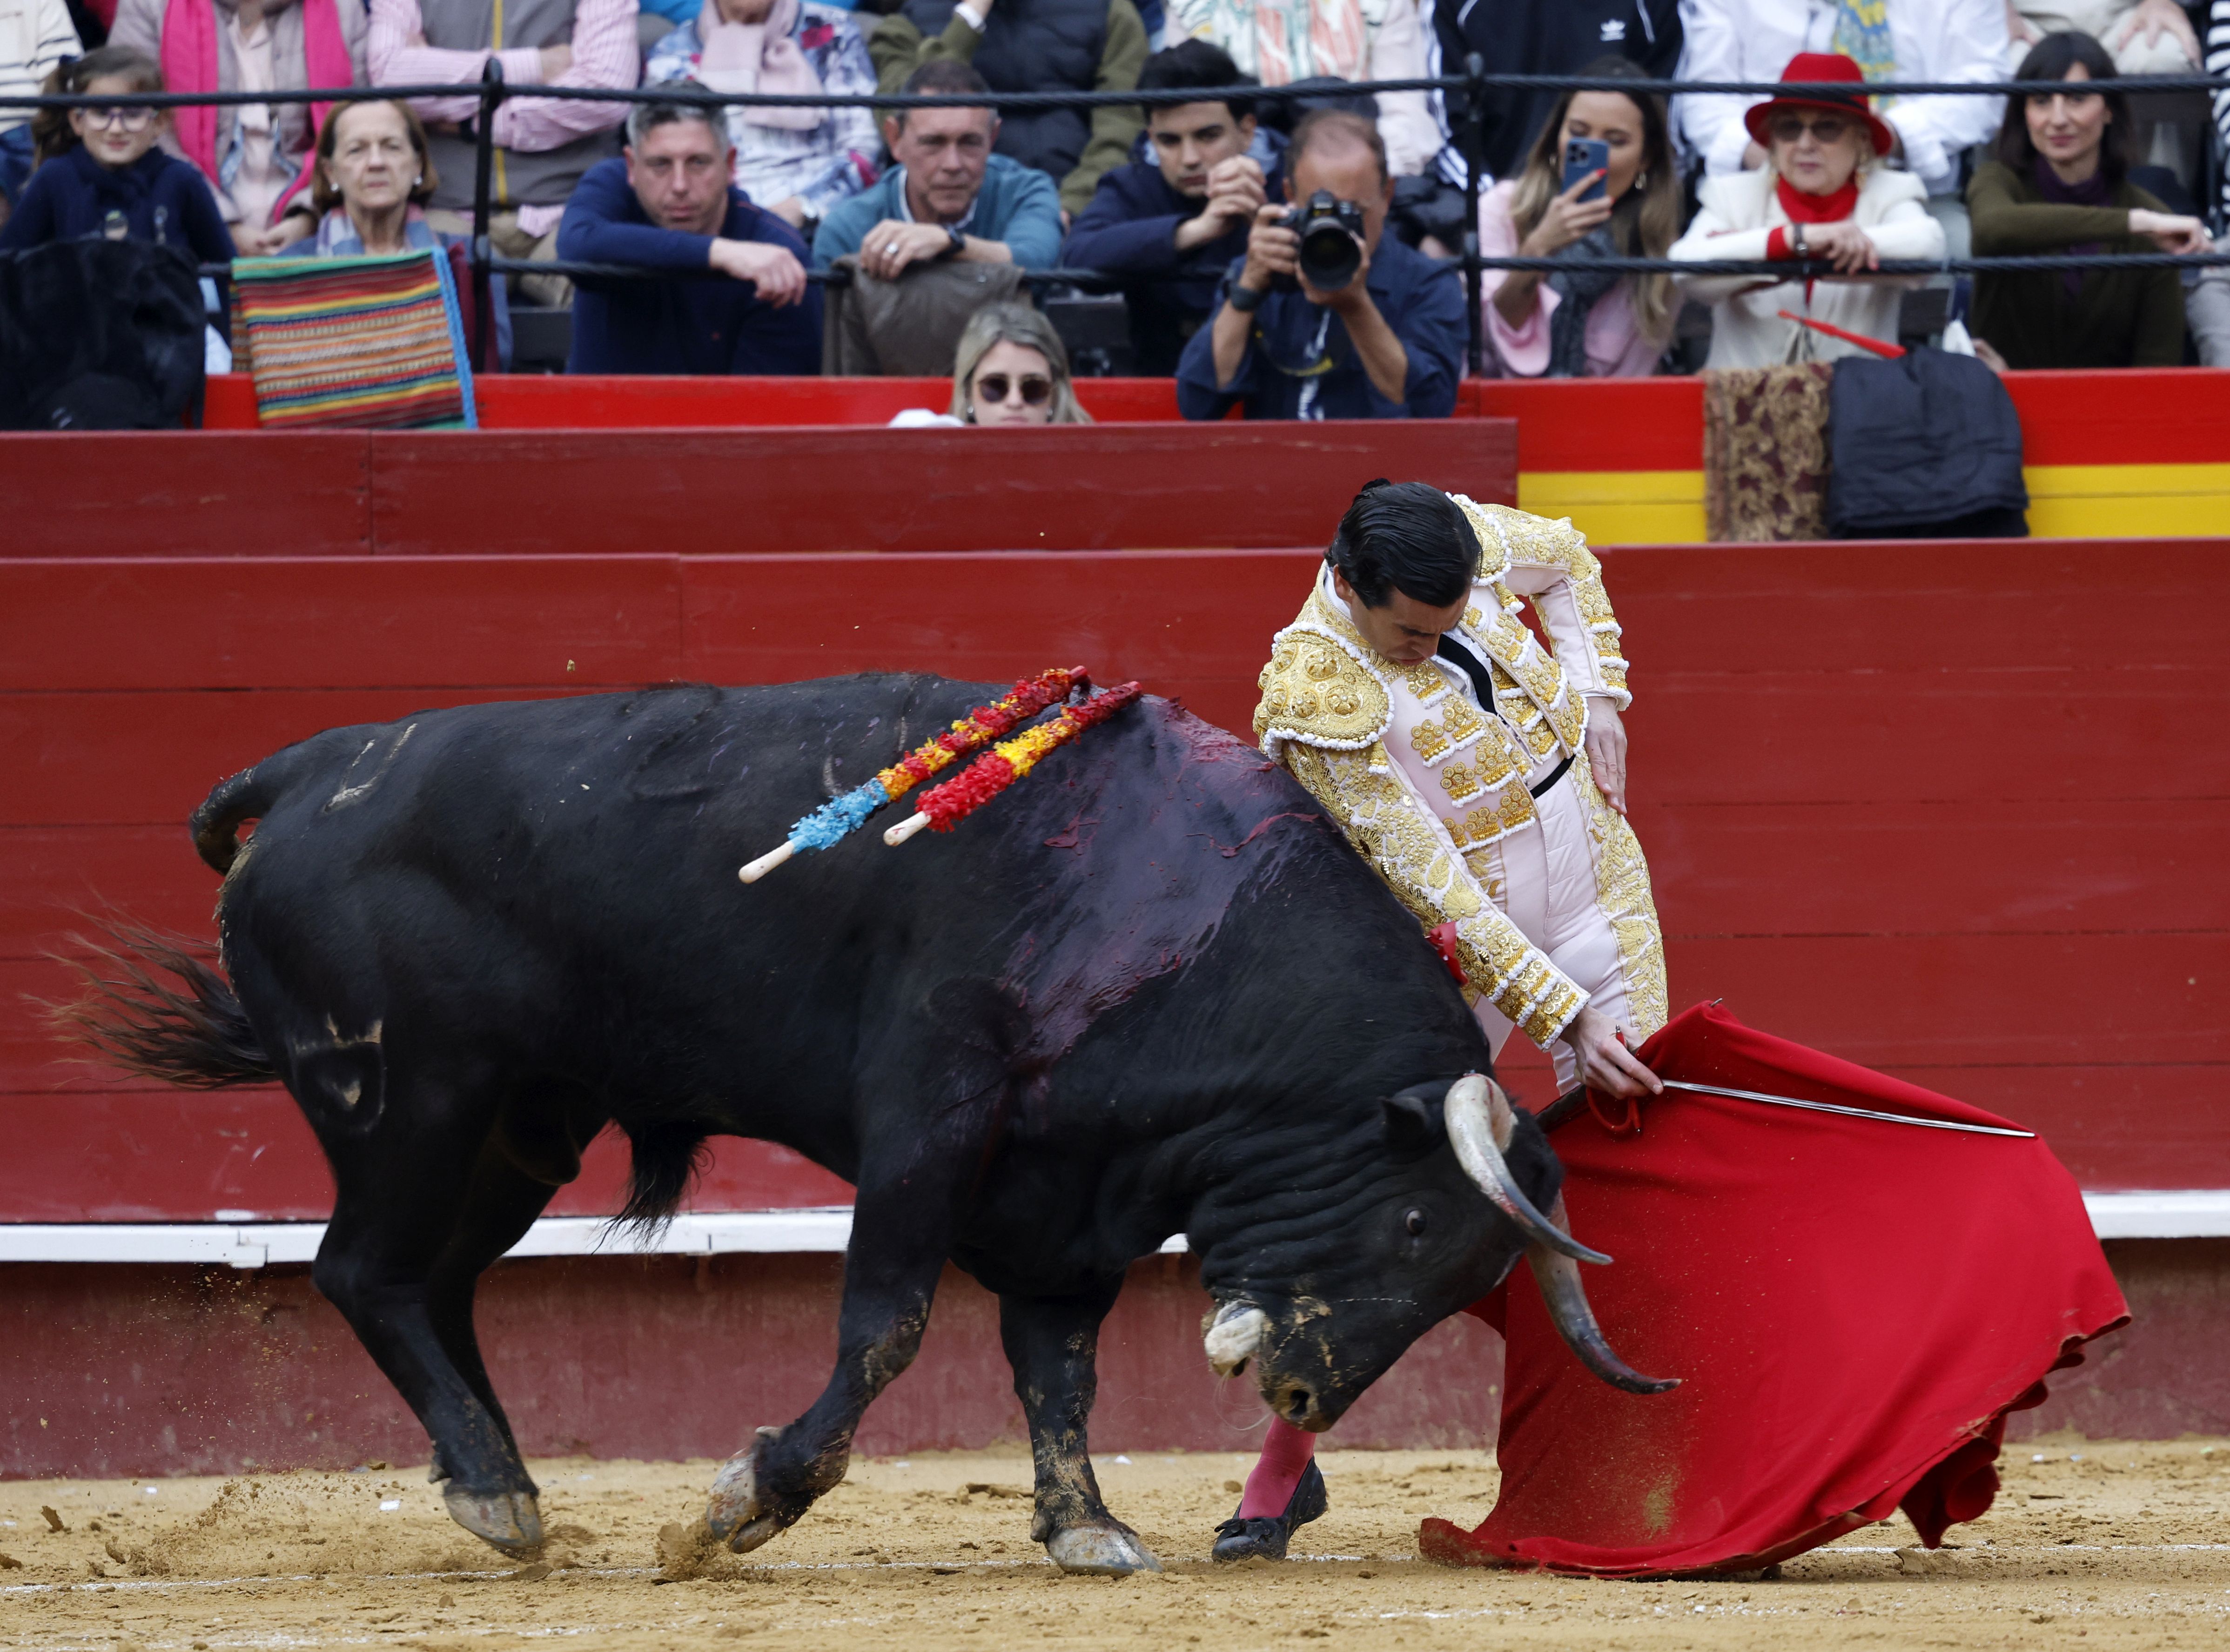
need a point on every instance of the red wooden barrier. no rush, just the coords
(554, 493)
(2134, 416)
(1936, 807)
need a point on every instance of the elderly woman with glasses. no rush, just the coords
(1823, 195)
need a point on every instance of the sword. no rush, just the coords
(1565, 1106)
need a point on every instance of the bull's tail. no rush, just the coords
(189, 1030)
(215, 825)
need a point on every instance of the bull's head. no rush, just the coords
(1319, 1316)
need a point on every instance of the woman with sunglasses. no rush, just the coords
(101, 175)
(1823, 195)
(1011, 368)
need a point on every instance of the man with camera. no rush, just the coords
(1327, 317)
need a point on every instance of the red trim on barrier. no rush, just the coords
(2135, 416)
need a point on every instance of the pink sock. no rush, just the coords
(1286, 1452)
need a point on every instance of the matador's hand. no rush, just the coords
(1606, 745)
(1605, 1064)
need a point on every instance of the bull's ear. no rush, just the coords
(1415, 1123)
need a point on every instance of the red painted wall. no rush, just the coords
(1954, 810)
(299, 493)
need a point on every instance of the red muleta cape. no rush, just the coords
(1852, 1308)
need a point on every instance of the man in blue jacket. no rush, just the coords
(1386, 343)
(946, 196)
(668, 205)
(1174, 224)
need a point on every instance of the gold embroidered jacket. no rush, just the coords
(1328, 698)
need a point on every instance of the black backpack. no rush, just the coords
(100, 335)
(1927, 446)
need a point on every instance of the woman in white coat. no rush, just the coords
(1823, 194)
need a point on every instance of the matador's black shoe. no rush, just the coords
(1267, 1536)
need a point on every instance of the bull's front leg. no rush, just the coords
(1053, 1344)
(891, 1271)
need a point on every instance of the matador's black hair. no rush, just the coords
(1408, 537)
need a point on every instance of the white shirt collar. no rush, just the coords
(906, 207)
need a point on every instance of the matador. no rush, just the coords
(1483, 776)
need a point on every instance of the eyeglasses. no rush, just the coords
(1827, 129)
(138, 118)
(1036, 391)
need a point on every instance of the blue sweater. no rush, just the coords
(701, 324)
(159, 197)
(1017, 205)
(1129, 229)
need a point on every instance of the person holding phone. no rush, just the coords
(1600, 182)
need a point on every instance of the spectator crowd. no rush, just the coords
(1292, 257)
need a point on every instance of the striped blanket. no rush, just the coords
(373, 341)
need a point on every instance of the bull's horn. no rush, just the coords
(1567, 1299)
(1480, 1123)
(1233, 1336)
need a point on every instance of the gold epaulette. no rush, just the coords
(1316, 692)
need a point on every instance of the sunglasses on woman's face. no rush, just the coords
(133, 119)
(992, 387)
(1827, 129)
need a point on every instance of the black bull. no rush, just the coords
(1150, 990)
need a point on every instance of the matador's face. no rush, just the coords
(1405, 632)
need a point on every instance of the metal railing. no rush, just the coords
(1472, 88)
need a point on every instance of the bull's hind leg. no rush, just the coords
(501, 1205)
(890, 1276)
(407, 1236)
(1052, 1344)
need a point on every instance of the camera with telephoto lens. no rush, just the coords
(1331, 242)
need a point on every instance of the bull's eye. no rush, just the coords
(1415, 1224)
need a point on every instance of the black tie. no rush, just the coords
(1454, 652)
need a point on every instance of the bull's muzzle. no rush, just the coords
(1233, 1336)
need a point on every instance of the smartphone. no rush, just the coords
(1583, 155)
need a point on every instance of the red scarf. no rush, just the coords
(1832, 208)
(1818, 208)
(191, 64)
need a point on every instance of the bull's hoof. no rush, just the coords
(511, 1521)
(735, 1515)
(1109, 1551)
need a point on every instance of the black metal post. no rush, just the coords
(483, 183)
(1474, 154)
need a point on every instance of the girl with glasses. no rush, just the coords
(100, 173)
(1823, 197)
(1012, 369)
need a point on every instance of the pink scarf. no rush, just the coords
(756, 57)
(190, 64)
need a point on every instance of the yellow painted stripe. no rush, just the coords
(1620, 507)
(2065, 501)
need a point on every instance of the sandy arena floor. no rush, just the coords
(2122, 1543)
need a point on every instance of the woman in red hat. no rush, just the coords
(1823, 195)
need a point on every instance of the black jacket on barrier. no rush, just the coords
(1927, 446)
(100, 335)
